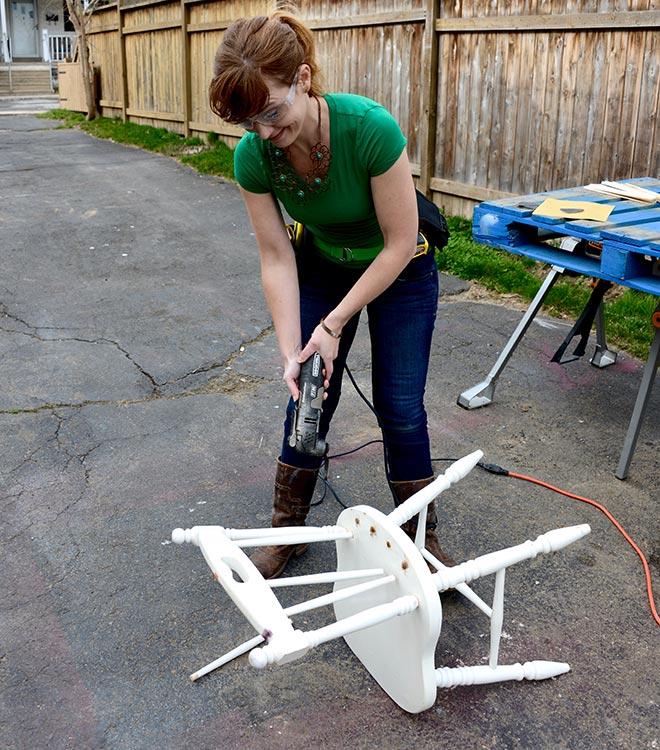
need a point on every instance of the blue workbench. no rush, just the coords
(624, 249)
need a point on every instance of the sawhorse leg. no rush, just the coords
(603, 357)
(482, 393)
(645, 388)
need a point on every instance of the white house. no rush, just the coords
(34, 35)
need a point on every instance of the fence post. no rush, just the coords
(185, 69)
(45, 45)
(122, 63)
(4, 34)
(429, 97)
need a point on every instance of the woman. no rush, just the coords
(338, 164)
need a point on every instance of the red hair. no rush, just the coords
(254, 49)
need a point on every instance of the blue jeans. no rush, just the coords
(401, 322)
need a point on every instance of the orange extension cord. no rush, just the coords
(602, 509)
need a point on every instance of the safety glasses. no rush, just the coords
(273, 114)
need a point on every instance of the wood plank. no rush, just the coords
(149, 27)
(546, 22)
(497, 102)
(71, 91)
(122, 67)
(594, 80)
(186, 75)
(194, 28)
(446, 104)
(630, 105)
(151, 115)
(551, 104)
(456, 150)
(136, 4)
(420, 99)
(560, 177)
(511, 97)
(488, 79)
(538, 84)
(646, 151)
(616, 59)
(106, 29)
(224, 128)
(523, 177)
(581, 85)
(474, 192)
(473, 97)
(374, 19)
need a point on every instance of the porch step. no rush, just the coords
(25, 80)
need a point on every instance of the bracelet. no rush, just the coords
(329, 331)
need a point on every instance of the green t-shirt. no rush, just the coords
(365, 141)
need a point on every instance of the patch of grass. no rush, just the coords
(217, 159)
(627, 313)
(159, 140)
(629, 321)
(214, 157)
(69, 119)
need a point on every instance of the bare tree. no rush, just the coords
(80, 13)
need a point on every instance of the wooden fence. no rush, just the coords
(496, 98)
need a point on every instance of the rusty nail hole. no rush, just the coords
(372, 530)
(404, 565)
(389, 544)
(357, 521)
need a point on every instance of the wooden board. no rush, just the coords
(71, 89)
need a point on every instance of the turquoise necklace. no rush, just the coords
(288, 180)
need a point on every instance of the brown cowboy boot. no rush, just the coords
(294, 488)
(402, 491)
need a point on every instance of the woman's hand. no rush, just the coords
(292, 374)
(327, 346)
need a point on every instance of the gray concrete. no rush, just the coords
(142, 392)
(27, 105)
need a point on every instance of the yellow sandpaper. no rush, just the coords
(556, 209)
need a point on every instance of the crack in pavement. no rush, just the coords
(7, 314)
(156, 386)
(81, 459)
(25, 461)
(100, 340)
(229, 360)
(23, 169)
(61, 448)
(49, 585)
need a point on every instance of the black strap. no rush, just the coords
(583, 324)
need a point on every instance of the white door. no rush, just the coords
(24, 28)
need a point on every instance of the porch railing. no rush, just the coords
(58, 47)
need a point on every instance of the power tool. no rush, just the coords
(304, 435)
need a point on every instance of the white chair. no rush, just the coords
(385, 598)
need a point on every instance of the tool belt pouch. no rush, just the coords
(432, 224)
